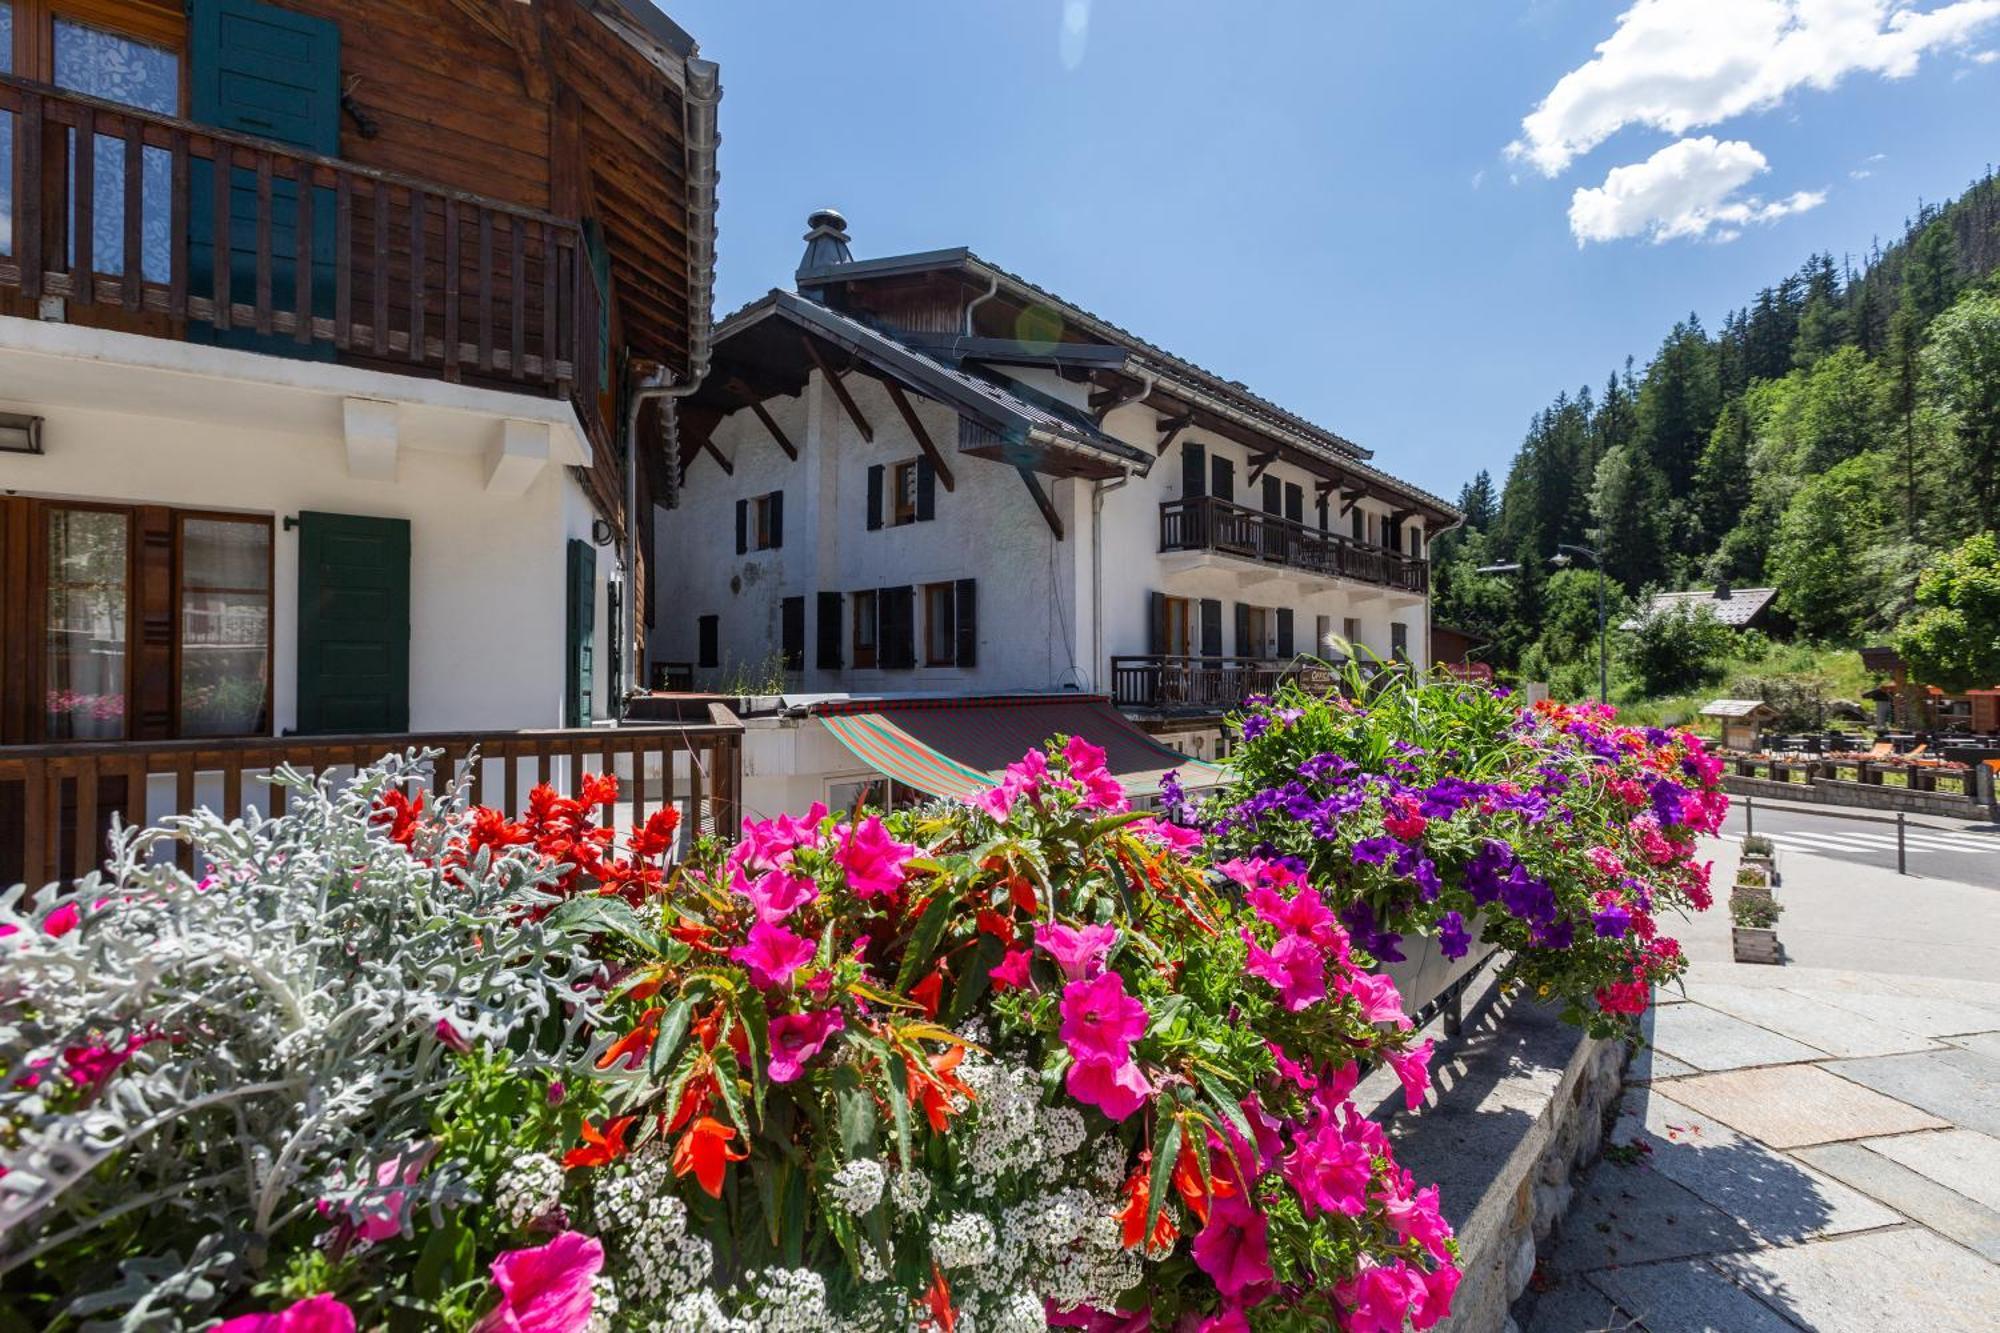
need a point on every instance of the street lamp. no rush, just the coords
(1563, 559)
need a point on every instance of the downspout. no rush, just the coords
(702, 92)
(992, 290)
(1098, 491)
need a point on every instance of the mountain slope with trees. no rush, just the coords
(1830, 439)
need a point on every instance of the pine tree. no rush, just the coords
(1902, 379)
(1678, 405)
(1823, 316)
(1477, 503)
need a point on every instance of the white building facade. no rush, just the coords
(882, 494)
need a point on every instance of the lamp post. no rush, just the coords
(1563, 558)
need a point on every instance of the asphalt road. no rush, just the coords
(1967, 853)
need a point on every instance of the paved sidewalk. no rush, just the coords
(1809, 1146)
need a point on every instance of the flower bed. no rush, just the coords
(403, 1063)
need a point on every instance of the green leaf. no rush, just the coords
(1166, 1148)
(858, 1122)
(606, 916)
(899, 1103)
(673, 1030)
(930, 927)
(1229, 1109)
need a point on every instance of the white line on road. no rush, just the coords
(1872, 841)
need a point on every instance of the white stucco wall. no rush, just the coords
(987, 529)
(487, 570)
(1048, 617)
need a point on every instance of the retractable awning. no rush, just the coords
(954, 747)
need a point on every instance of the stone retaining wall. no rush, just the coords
(1859, 796)
(1519, 1106)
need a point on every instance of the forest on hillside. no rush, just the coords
(1830, 439)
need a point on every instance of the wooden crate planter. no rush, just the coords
(1767, 864)
(1753, 945)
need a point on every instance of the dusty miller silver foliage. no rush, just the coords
(299, 988)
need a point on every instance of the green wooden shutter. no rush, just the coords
(273, 73)
(354, 624)
(579, 672)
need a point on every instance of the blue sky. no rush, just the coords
(1319, 198)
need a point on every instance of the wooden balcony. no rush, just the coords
(1208, 524)
(56, 801)
(1208, 684)
(122, 213)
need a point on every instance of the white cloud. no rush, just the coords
(1678, 65)
(1688, 190)
(1985, 57)
(1075, 37)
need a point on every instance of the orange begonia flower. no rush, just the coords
(601, 1145)
(1139, 1202)
(705, 1151)
(929, 992)
(932, 1088)
(937, 1300)
(632, 1047)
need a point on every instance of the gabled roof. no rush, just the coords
(1738, 708)
(1020, 417)
(960, 257)
(1734, 607)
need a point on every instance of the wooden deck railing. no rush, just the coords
(398, 271)
(1207, 684)
(62, 797)
(1205, 523)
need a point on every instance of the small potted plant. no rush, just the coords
(1753, 935)
(1760, 853)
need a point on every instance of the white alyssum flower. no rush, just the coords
(529, 1188)
(857, 1186)
(964, 1240)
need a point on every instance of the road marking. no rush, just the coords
(1869, 840)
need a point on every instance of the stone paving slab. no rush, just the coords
(1768, 1192)
(1983, 1043)
(1708, 1039)
(1962, 1160)
(1688, 1296)
(1919, 1197)
(1794, 1105)
(1960, 1085)
(1904, 1280)
(1925, 1016)
(1649, 1066)
(1832, 1028)
(1629, 1215)
(1577, 1307)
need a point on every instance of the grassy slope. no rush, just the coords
(1838, 671)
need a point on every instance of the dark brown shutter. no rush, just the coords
(966, 599)
(926, 491)
(1274, 496)
(1156, 622)
(875, 497)
(1323, 511)
(1211, 627)
(1295, 502)
(895, 609)
(828, 631)
(154, 617)
(792, 632)
(742, 526)
(708, 631)
(1222, 479)
(1244, 648)
(778, 523)
(1194, 470)
(1284, 634)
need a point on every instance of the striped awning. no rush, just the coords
(954, 747)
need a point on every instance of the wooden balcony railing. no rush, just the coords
(1208, 684)
(118, 210)
(59, 799)
(1205, 523)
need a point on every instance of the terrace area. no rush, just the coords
(1209, 525)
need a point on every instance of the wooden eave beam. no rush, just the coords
(728, 468)
(1042, 501)
(1171, 428)
(1261, 463)
(1323, 488)
(777, 432)
(916, 425)
(1347, 499)
(839, 390)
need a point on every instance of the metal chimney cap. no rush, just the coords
(826, 247)
(828, 218)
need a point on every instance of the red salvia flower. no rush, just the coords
(601, 1145)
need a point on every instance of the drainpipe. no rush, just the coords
(992, 290)
(1098, 491)
(703, 91)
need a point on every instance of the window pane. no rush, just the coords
(225, 626)
(119, 69)
(940, 625)
(84, 629)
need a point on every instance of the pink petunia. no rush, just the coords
(1440, 1286)
(875, 862)
(1329, 1171)
(1417, 1217)
(776, 894)
(769, 843)
(1234, 1248)
(378, 1216)
(1115, 1089)
(1380, 1002)
(1381, 1297)
(1413, 1068)
(1080, 951)
(772, 954)
(315, 1314)
(546, 1289)
(60, 922)
(797, 1038)
(1100, 1021)
(1173, 837)
(1011, 972)
(1304, 913)
(1293, 967)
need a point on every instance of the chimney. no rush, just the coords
(1722, 590)
(826, 246)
